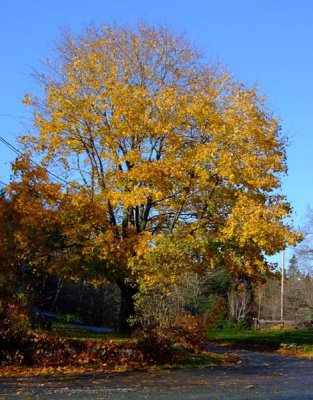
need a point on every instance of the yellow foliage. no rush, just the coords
(152, 142)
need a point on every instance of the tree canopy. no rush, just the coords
(152, 142)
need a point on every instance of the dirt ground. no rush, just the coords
(257, 376)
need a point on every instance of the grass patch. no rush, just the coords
(203, 360)
(288, 341)
(275, 336)
(184, 358)
(70, 332)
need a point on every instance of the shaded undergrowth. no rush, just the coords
(61, 350)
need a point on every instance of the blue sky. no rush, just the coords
(263, 42)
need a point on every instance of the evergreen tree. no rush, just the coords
(293, 268)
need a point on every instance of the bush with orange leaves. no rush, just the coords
(157, 342)
(14, 330)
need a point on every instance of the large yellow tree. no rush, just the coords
(160, 143)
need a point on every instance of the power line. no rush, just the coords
(12, 116)
(18, 152)
(10, 146)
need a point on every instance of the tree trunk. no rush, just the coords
(57, 293)
(127, 305)
(245, 280)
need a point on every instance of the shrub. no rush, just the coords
(14, 331)
(15, 322)
(157, 341)
(216, 313)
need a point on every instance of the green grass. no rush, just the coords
(285, 340)
(274, 336)
(307, 350)
(70, 332)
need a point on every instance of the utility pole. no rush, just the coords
(282, 290)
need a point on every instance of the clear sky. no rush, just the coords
(263, 42)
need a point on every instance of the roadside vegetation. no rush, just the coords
(68, 350)
(286, 341)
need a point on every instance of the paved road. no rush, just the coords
(258, 376)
